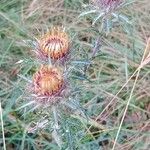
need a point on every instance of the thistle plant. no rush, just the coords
(50, 85)
(107, 12)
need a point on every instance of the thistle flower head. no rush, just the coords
(107, 5)
(48, 84)
(54, 44)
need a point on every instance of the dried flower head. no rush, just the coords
(48, 83)
(54, 44)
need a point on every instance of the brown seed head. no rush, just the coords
(47, 81)
(55, 43)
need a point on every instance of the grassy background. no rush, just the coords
(114, 63)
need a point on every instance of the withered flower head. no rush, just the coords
(48, 83)
(54, 44)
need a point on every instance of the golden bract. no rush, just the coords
(47, 81)
(55, 43)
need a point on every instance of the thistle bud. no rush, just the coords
(54, 44)
(48, 84)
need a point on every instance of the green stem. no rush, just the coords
(55, 132)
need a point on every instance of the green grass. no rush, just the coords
(102, 88)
